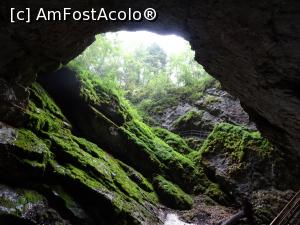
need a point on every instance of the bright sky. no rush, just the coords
(170, 43)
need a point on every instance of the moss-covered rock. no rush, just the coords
(121, 177)
(24, 206)
(172, 164)
(53, 154)
(137, 177)
(173, 140)
(189, 121)
(242, 161)
(23, 156)
(172, 195)
(111, 123)
(42, 113)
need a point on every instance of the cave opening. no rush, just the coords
(159, 76)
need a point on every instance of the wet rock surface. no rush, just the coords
(23, 206)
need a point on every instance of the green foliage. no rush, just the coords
(155, 102)
(149, 78)
(171, 195)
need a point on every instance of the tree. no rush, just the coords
(145, 71)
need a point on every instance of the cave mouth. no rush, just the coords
(154, 71)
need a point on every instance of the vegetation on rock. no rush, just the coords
(242, 162)
(80, 131)
(236, 141)
(172, 195)
(75, 161)
(173, 140)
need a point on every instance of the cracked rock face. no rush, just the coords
(252, 47)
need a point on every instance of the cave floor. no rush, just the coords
(203, 212)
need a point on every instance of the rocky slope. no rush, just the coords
(47, 167)
(246, 166)
(214, 106)
(83, 156)
(195, 117)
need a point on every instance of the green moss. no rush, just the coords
(78, 161)
(41, 98)
(173, 140)
(193, 155)
(42, 113)
(148, 151)
(172, 195)
(93, 166)
(139, 139)
(189, 117)
(137, 177)
(18, 202)
(236, 144)
(210, 99)
(31, 149)
(174, 165)
(213, 191)
(101, 96)
(236, 141)
(144, 149)
(32, 196)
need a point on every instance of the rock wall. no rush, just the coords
(121, 178)
(252, 47)
(213, 107)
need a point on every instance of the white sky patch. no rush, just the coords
(171, 44)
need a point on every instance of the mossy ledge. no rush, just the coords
(119, 165)
(51, 154)
(242, 161)
(172, 195)
(115, 126)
